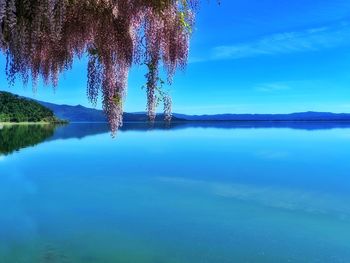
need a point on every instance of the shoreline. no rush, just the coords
(31, 123)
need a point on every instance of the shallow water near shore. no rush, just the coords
(185, 193)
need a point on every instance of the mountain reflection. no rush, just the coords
(15, 137)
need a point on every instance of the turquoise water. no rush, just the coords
(188, 193)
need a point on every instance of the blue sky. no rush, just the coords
(247, 56)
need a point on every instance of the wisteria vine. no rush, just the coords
(41, 38)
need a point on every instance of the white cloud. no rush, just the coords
(313, 39)
(282, 86)
(272, 87)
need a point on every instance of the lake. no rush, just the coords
(188, 193)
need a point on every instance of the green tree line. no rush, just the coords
(14, 108)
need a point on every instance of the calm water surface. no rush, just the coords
(234, 193)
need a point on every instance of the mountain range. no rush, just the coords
(83, 114)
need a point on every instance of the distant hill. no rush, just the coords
(301, 116)
(82, 114)
(14, 108)
(75, 113)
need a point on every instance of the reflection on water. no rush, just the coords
(15, 137)
(200, 192)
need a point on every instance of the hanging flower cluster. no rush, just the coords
(42, 37)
